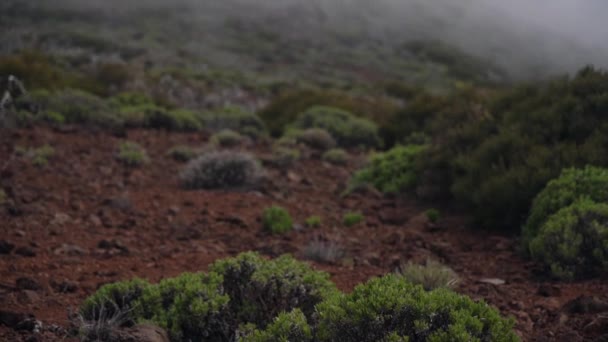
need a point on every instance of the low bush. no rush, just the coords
(573, 242)
(291, 326)
(313, 221)
(131, 154)
(222, 170)
(156, 117)
(37, 156)
(347, 129)
(3, 197)
(235, 119)
(79, 107)
(284, 156)
(323, 251)
(433, 215)
(432, 275)
(226, 138)
(393, 171)
(277, 220)
(392, 309)
(315, 138)
(336, 156)
(183, 153)
(572, 185)
(352, 219)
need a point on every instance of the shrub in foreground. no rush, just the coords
(573, 243)
(277, 220)
(392, 309)
(393, 171)
(572, 185)
(291, 326)
(347, 129)
(222, 170)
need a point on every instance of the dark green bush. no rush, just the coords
(183, 153)
(573, 242)
(291, 327)
(277, 220)
(393, 171)
(222, 170)
(392, 309)
(160, 118)
(259, 290)
(573, 184)
(235, 119)
(433, 215)
(114, 299)
(347, 129)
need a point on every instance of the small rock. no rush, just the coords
(598, 326)
(64, 286)
(28, 297)
(71, 250)
(26, 251)
(60, 219)
(95, 221)
(6, 247)
(173, 211)
(12, 319)
(492, 281)
(25, 283)
(585, 304)
(120, 203)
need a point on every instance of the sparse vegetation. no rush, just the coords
(432, 275)
(234, 119)
(352, 219)
(323, 251)
(277, 220)
(336, 156)
(313, 221)
(222, 170)
(226, 138)
(131, 154)
(183, 153)
(37, 156)
(433, 215)
(315, 138)
(3, 197)
(284, 156)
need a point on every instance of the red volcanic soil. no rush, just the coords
(85, 220)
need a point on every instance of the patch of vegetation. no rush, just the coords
(352, 219)
(393, 171)
(3, 197)
(433, 215)
(313, 221)
(277, 220)
(291, 326)
(37, 156)
(347, 129)
(315, 138)
(392, 309)
(235, 119)
(573, 242)
(432, 275)
(222, 170)
(183, 153)
(323, 251)
(284, 156)
(131, 154)
(226, 138)
(336, 156)
(78, 107)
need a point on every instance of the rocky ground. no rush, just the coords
(85, 220)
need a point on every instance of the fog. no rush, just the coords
(528, 38)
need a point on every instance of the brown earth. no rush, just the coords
(85, 220)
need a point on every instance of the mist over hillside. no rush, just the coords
(527, 39)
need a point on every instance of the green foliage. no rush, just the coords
(131, 154)
(315, 138)
(78, 107)
(222, 170)
(277, 220)
(392, 309)
(433, 215)
(183, 153)
(3, 197)
(33, 68)
(260, 290)
(226, 138)
(432, 275)
(235, 119)
(347, 129)
(572, 185)
(114, 299)
(112, 75)
(284, 156)
(336, 156)
(37, 156)
(287, 327)
(174, 120)
(323, 251)
(393, 171)
(573, 242)
(313, 221)
(352, 219)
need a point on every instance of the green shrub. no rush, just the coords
(131, 154)
(235, 119)
(323, 251)
(393, 171)
(277, 220)
(573, 242)
(284, 156)
(260, 290)
(79, 107)
(432, 275)
(156, 117)
(392, 309)
(313, 222)
(222, 170)
(3, 197)
(315, 138)
(352, 219)
(33, 68)
(183, 153)
(290, 326)
(226, 138)
(433, 215)
(572, 185)
(348, 130)
(336, 156)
